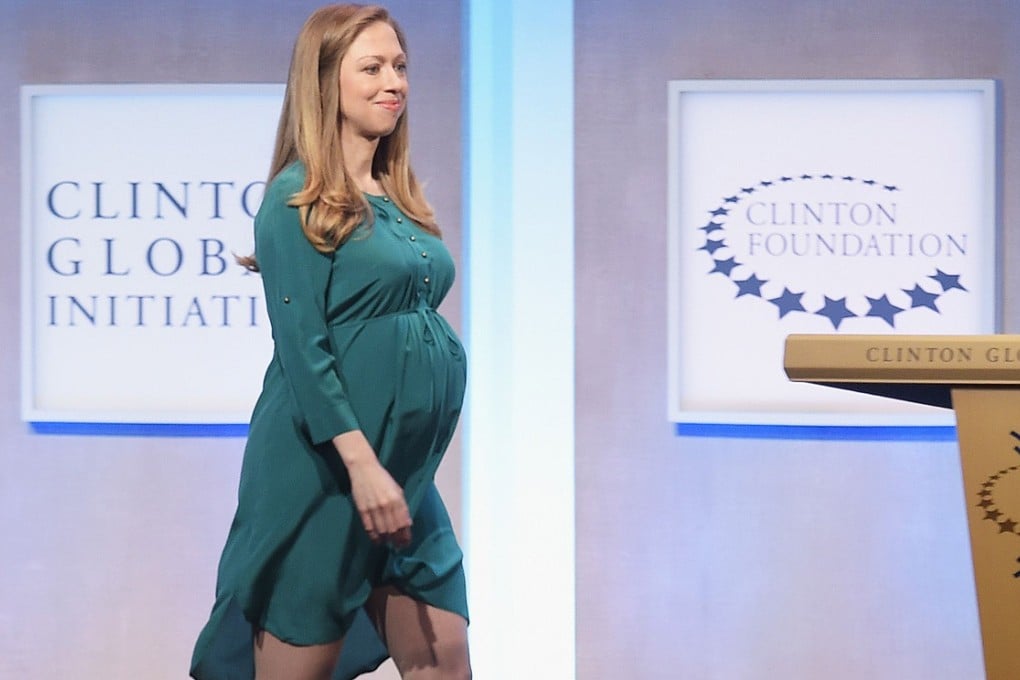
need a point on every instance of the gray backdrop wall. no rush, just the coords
(696, 557)
(108, 545)
(753, 558)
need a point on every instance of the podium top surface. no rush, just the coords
(904, 359)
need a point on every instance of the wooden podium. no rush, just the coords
(979, 378)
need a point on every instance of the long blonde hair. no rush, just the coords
(330, 203)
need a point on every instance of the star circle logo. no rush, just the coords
(831, 245)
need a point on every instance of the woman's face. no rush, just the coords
(373, 83)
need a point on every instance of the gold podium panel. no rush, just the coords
(978, 376)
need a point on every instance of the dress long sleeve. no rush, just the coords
(296, 278)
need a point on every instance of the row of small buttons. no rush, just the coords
(400, 220)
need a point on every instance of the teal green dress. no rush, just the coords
(358, 344)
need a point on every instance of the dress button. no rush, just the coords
(386, 199)
(413, 237)
(424, 254)
(426, 279)
(400, 219)
(286, 300)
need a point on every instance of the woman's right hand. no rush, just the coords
(377, 496)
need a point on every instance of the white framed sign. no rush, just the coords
(835, 206)
(134, 200)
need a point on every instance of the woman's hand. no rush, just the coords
(378, 498)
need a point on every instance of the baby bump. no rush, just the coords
(402, 371)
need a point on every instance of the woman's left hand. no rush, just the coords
(377, 496)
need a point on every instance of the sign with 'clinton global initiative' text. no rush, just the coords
(134, 201)
(836, 207)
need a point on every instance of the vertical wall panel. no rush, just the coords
(519, 436)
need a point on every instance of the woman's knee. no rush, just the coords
(438, 660)
(279, 660)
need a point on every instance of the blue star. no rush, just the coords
(765, 183)
(750, 286)
(882, 308)
(788, 302)
(710, 227)
(747, 190)
(784, 178)
(711, 246)
(826, 176)
(720, 211)
(731, 199)
(919, 297)
(724, 266)
(947, 281)
(805, 176)
(869, 182)
(890, 187)
(835, 311)
(848, 178)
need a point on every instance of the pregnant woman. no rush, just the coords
(341, 552)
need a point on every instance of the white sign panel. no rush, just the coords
(134, 200)
(822, 207)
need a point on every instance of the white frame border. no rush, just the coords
(991, 220)
(29, 93)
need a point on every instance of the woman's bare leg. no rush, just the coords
(426, 643)
(277, 660)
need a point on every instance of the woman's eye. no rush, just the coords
(374, 68)
(401, 68)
